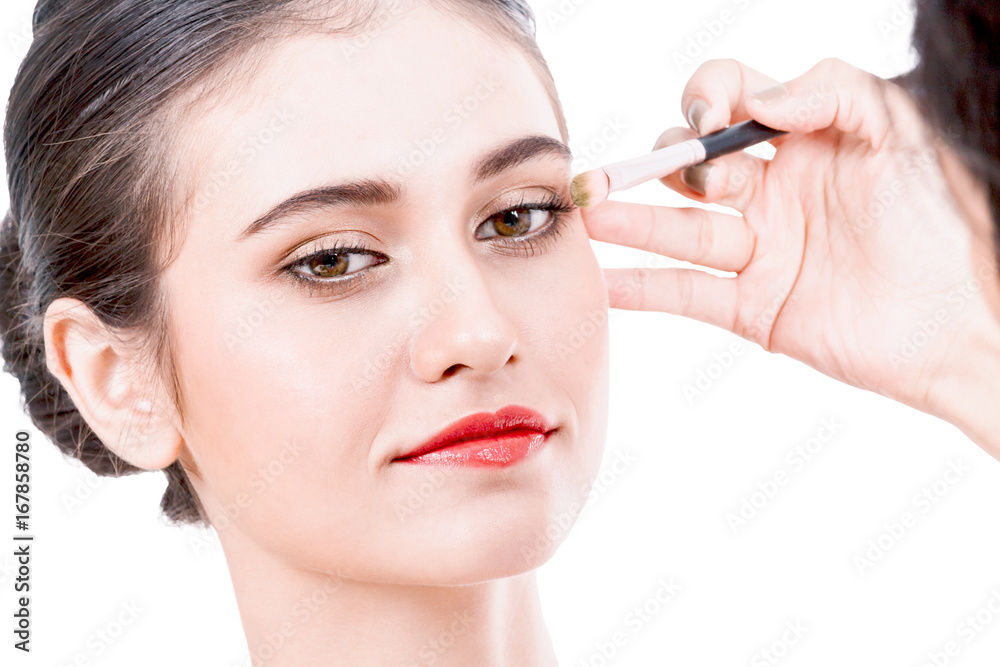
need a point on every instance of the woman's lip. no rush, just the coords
(510, 432)
(498, 451)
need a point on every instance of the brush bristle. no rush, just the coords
(589, 188)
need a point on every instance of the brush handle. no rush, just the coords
(659, 163)
(736, 138)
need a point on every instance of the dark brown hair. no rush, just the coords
(89, 180)
(957, 83)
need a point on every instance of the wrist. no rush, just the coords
(966, 389)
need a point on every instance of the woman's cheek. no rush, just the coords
(578, 309)
(287, 400)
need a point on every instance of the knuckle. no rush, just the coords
(830, 64)
(704, 240)
(673, 135)
(749, 245)
(685, 291)
(710, 71)
(639, 286)
(652, 224)
(833, 68)
(728, 64)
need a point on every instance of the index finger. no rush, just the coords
(715, 95)
(707, 238)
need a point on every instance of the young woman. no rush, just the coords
(328, 236)
(253, 246)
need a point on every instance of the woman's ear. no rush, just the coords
(102, 374)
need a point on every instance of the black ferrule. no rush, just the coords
(736, 138)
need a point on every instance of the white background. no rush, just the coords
(99, 544)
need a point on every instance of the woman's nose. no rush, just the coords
(460, 328)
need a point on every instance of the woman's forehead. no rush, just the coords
(417, 70)
(422, 98)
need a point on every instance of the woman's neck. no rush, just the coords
(298, 618)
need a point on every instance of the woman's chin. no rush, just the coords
(469, 547)
(496, 556)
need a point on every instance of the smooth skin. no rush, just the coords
(297, 399)
(863, 248)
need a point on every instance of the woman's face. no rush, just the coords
(303, 380)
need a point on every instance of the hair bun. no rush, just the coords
(10, 256)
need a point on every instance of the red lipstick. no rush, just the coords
(484, 440)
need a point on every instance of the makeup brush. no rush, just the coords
(592, 187)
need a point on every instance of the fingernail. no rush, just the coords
(696, 111)
(696, 177)
(769, 95)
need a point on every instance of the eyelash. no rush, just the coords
(525, 245)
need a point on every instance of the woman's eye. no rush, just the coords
(335, 262)
(341, 268)
(516, 222)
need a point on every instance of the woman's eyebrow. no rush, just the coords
(379, 191)
(511, 154)
(367, 192)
